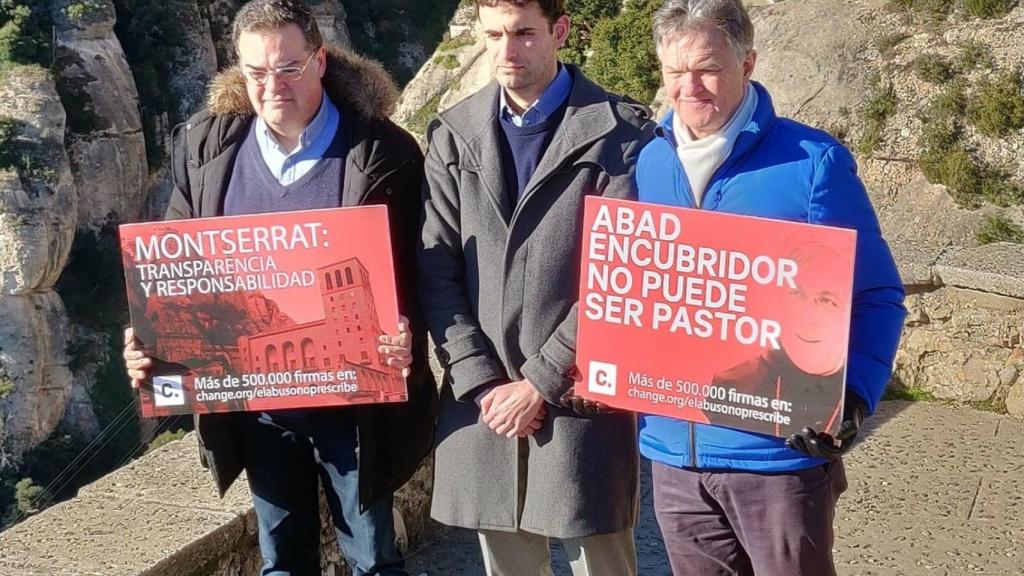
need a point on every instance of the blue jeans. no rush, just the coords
(284, 454)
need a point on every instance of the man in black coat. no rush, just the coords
(305, 126)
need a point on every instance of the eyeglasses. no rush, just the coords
(285, 74)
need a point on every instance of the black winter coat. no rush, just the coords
(384, 166)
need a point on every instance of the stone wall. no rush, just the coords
(160, 516)
(964, 332)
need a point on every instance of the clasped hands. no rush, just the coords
(517, 410)
(513, 410)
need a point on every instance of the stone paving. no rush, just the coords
(934, 491)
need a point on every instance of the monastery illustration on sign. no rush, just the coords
(345, 339)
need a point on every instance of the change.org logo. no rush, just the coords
(167, 391)
(602, 378)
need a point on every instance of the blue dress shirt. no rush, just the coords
(314, 141)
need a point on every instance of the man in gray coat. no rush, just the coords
(507, 171)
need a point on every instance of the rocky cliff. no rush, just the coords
(37, 223)
(926, 97)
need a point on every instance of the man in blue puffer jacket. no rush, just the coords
(731, 502)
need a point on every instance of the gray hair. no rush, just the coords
(677, 17)
(265, 16)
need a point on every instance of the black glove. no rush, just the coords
(582, 406)
(822, 445)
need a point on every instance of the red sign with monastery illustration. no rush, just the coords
(714, 318)
(264, 312)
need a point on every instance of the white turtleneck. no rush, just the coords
(700, 158)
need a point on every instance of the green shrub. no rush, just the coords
(77, 12)
(446, 61)
(956, 169)
(998, 108)
(995, 404)
(945, 160)
(932, 68)
(460, 41)
(880, 105)
(82, 11)
(998, 228)
(32, 161)
(166, 438)
(949, 105)
(421, 120)
(909, 394)
(27, 496)
(6, 386)
(933, 8)
(623, 58)
(25, 32)
(988, 8)
(585, 15)
(382, 29)
(973, 55)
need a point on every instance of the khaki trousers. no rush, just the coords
(526, 554)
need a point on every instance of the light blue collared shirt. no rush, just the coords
(314, 141)
(549, 102)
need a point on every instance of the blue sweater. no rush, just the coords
(785, 170)
(253, 188)
(522, 147)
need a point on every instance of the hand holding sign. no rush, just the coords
(398, 349)
(602, 381)
(581, 406)
(136, 362)
(822, 445)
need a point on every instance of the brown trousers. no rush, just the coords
(742, 524)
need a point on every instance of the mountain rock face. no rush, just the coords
(963, 338)
(457, 69)
(104, 138)
(37, 225)
(35, 382)
(331, 18)
(193, 60)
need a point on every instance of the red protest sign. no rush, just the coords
(264, 312)
(714, 318)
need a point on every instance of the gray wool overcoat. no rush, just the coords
(498, 284)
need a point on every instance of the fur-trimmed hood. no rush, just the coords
(352, 82)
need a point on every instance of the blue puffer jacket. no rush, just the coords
(785, 170)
